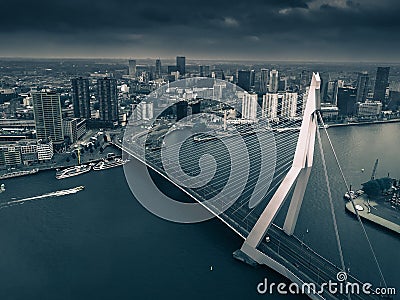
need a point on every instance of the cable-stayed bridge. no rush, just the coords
(239, 163)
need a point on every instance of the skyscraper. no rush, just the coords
(48, 118)
(246, 79)
(181, 64)
(362, 86)
(132, 67)
(81, 97)
(264, 80)
(381, 83)
(107, 96)
(346, 100)
(158, 69)
(273, 81)
(249, 106)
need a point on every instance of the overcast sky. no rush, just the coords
(317, 30)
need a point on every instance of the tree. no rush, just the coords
(377, 186)
(73, 155)
(385, 183)
(371, 188)
(67, 160)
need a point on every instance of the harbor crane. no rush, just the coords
(374, 169)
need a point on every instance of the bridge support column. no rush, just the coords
(297, 200)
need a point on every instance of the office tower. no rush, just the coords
(157, 72)
(204, 71)
(107, 96)
(246, 79)
(249, 106)
(346, 100)
(181, 64)
(181, 110)
(362, 86)
(48, 118)
(381, 83)
(132, 67)
(331, 92)
(273, 81)
(264, 79)
(81, 97)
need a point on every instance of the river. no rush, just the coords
(100, 243)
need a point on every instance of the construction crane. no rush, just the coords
(374, 170)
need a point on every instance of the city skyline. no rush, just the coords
(301, 30)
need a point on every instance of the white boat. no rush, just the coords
(107, 164)
(73, 171)
(18, 173)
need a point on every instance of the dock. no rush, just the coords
(367, 210)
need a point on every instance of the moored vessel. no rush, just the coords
(73, 171)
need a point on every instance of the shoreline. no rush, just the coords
(48, 167)
(363, 123)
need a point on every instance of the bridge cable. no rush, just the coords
(352, 202)
(335, 225)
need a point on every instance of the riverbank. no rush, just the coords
(363, 123)
(59, 161)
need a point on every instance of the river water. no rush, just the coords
(100, 243)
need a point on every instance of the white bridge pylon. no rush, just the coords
(296, 178)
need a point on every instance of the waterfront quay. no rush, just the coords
(375, 212)
(68, 158)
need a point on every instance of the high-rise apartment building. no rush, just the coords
(273, 81)
(381, 83)
(132, 67)
(157, 71)
(362, 86)
(108, 100)
(249, 106)
(81, 97)
(264, 80)
(48, 117)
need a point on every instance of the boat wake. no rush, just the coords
(48, 195)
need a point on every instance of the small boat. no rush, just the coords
(352, 194)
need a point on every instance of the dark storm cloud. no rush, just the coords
(274, 28)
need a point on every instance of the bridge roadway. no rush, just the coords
(289, 251)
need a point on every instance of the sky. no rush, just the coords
(282, 30)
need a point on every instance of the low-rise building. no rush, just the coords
(373, 108)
